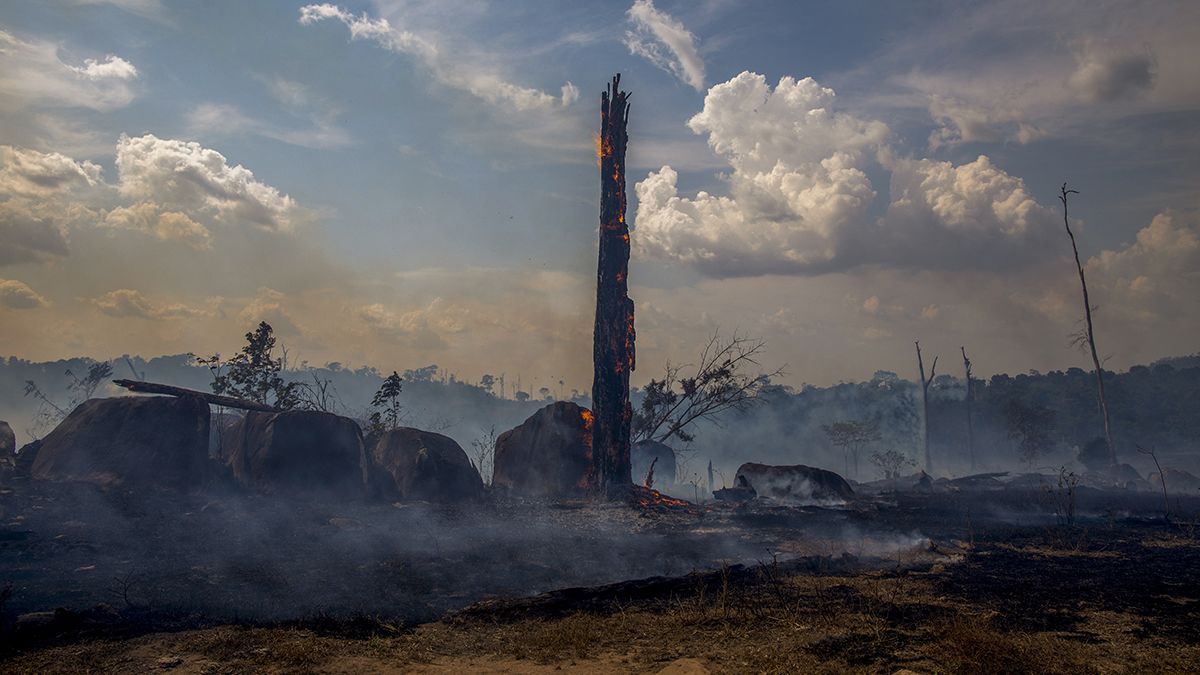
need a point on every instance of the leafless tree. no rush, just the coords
(1162, 479)
(970, 422)
(852, 436)
(719, 383)
(925, 382)
(1088, 336)
(484, 454)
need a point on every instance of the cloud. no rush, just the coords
(30, 173)
(185, 176)
(1156, 275)
(128, 303)
(111, 68)
(268, 305)
(17, 295)
(973, 215)
(799, 194)
(961, 122)
(149, 218)
(446, 66)
(664, 41)
(423, 328)
(32, 72)
(1108, 75)
(26, 236)
(149, 9)
(210, 119)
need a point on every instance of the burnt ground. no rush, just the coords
(995, 581)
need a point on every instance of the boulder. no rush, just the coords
(8, 446)
(408, 463)
(23, 465)
(129, 440)
(297, 451)
(740, 492)
(644, 454)
(797, 484)
(1179, 483)
(549, 454)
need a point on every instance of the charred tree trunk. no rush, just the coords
(1091, 333)
(970, 422)
(612, 348)
(925, 382)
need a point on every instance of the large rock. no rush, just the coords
(549, 454)
(8, 446)
(408, 463)
(644, 454)
(1179, 483)
(128, 441)
(297, 451)
(796, 484)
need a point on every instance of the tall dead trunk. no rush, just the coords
(1090, 332)
(925, 382)
(970, 422)
(612, 347)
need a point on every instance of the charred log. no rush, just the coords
(613, 339)
(212, 399)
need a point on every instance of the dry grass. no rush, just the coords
(879, 621)
(868, 623)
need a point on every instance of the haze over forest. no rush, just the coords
(392, 184)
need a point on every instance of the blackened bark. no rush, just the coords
(925, 382)
(612, 349)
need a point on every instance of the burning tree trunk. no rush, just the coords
(925, 382)
(970, 425)
(612, 351)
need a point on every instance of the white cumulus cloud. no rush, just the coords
(184, 175)
(30, 173)
(149, 218)
(32, 72)
(799, 195)
(111, 68)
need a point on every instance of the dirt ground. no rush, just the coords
(923, 583)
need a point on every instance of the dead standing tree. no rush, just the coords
(970, 422)
(1089, 334)
(613, 339)
(925, 382)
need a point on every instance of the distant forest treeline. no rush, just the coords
(1024, 421)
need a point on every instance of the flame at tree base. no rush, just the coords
(649, 498)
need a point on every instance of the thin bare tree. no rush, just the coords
(925, 382)
(1089, 334)
(723, 380)
(970, 422)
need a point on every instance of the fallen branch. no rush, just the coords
(211, 399)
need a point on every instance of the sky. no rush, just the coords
(400, 183)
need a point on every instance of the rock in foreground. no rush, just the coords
(408, 463)
(797, 484)
(297, 451)
(549, 454)
(129, 440)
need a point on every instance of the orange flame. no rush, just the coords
(603, 148)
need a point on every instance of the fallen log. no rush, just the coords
(212, 399)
